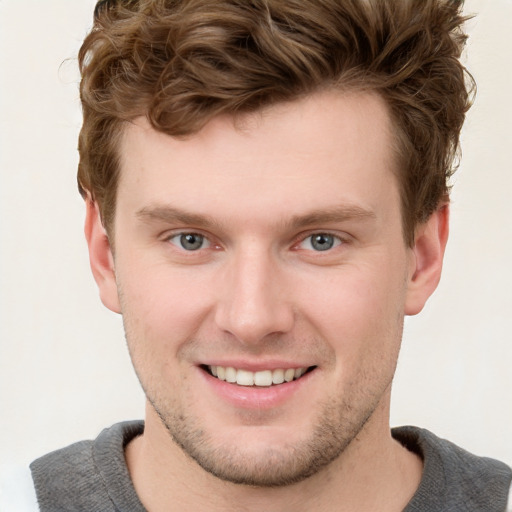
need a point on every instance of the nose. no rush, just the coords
(253, 301)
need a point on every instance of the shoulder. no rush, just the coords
(68, 479)
(453, 476)
(84, 475)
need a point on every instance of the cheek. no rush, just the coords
(162, 311)
(359, 312)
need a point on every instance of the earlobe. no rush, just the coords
(100, 257)
(428, 254)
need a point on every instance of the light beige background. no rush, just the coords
(64, 370)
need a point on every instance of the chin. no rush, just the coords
(263, 456)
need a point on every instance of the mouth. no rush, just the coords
(262, 378)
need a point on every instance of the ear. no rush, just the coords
(427, 262)
(100, 257)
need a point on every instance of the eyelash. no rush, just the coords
(335, 239)
(183, 234)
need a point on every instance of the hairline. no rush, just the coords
(397, 154)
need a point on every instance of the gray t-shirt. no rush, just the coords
(92, 475)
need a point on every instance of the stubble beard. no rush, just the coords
(339, 419)
(337, 426)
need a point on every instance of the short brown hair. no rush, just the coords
(182, 62)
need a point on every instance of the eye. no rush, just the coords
(320, 242)
(189, 241)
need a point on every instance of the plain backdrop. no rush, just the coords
(64, 369)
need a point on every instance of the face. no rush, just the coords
(263, 277)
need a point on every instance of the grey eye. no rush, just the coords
(322, 242)
(189, 241)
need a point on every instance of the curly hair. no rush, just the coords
(180, 63)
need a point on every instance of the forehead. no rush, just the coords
(323, 150)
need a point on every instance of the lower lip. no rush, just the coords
(254, 397)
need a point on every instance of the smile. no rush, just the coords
(264, 378)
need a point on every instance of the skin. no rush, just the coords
(257, 294)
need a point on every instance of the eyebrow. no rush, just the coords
(172, 215)
(334, 215)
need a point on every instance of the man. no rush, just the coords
(266, 193)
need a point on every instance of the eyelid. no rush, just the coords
(168, 236)
(205, 243)
(341, 238)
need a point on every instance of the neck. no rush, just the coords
(373, 473)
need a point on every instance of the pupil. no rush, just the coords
(191, 241)
(322, 242)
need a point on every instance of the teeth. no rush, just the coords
(244, 378)
(230, 374)
(262, 378)
(277, 376)
(289, 374)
